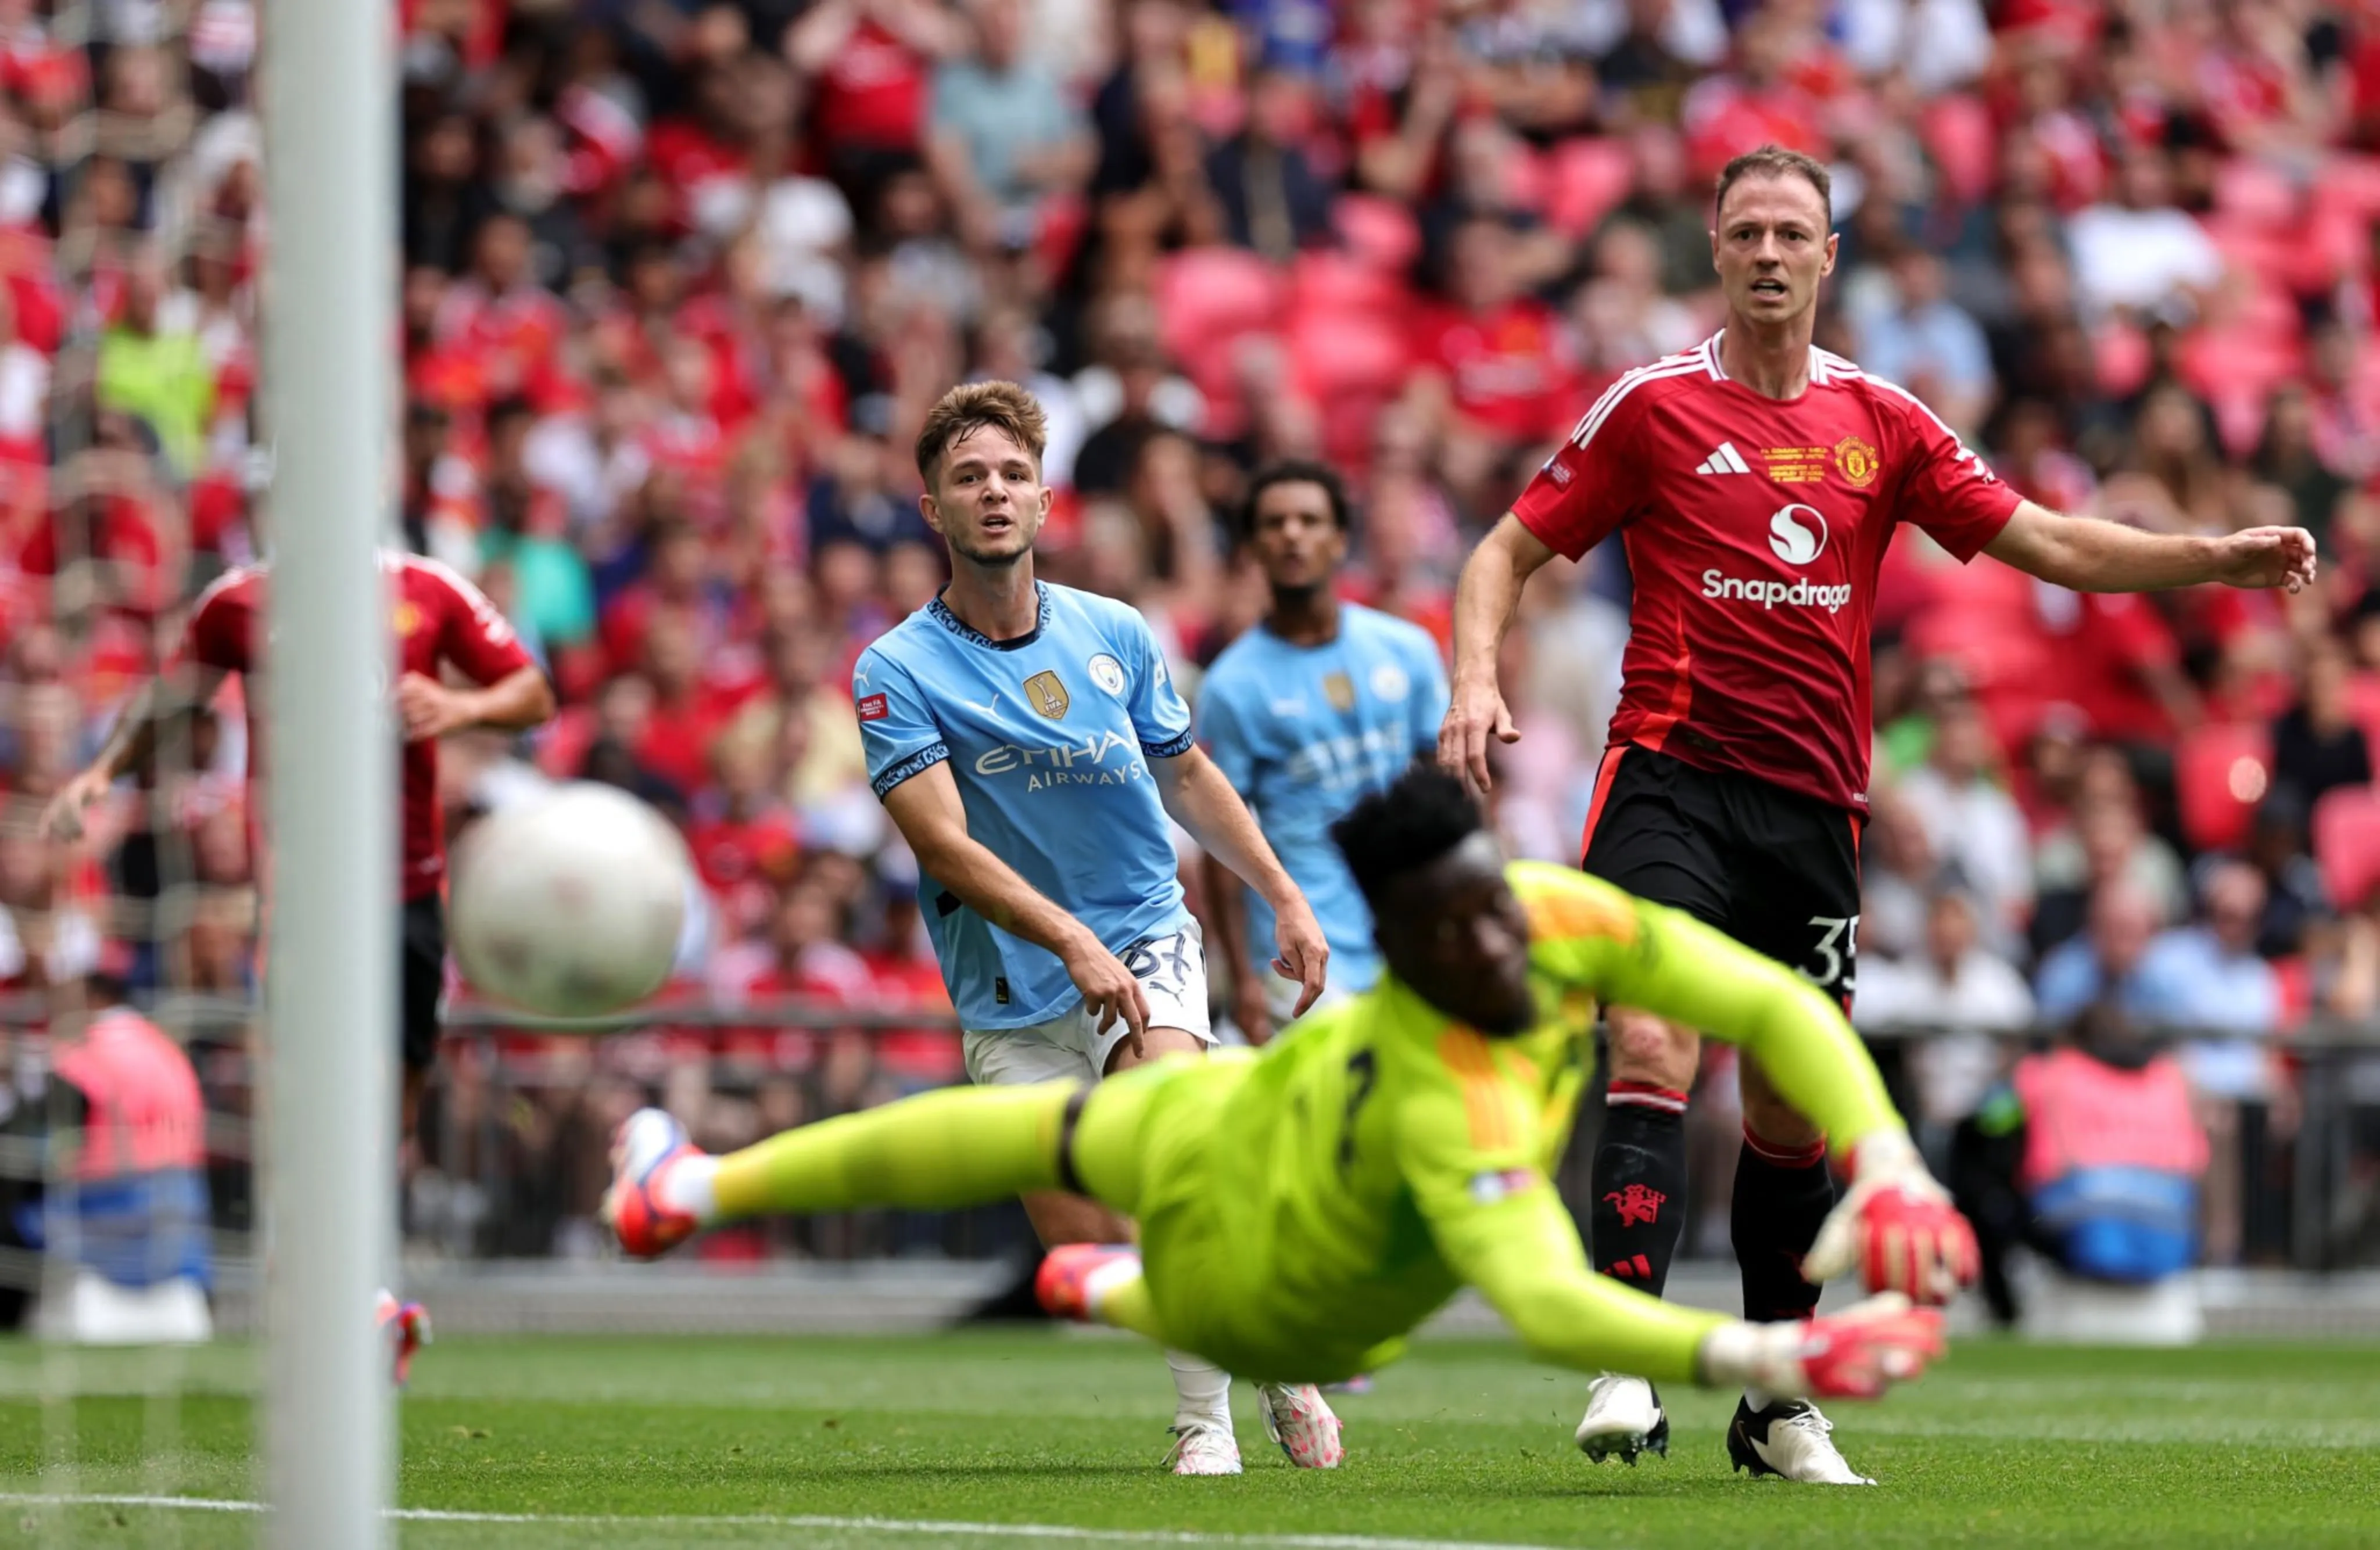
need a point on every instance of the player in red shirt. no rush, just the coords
(440, 619)
(1754, 483)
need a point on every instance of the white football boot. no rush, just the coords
(1301, 1424)
(1623, 1420)
(1791, 1440)
(1201, 1448)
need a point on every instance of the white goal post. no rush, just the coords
(330, 135)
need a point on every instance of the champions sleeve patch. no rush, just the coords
(1486, 1189)
(874, 708)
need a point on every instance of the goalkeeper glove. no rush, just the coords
(1855, 1354)
(1896, 1225)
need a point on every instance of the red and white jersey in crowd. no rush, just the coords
(1754, 529)
(438, 617)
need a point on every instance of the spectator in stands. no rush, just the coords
(1273, 200)
(2295, 898)
(1899, 871)
(2317, 745)
(2289, 454)
(1970, 819)
(870, 61)
(2111, 959)
(155, 371)
(1003, 138)
(2142, 254)
(2208, 975)
(1954, 985)
(1910, 333)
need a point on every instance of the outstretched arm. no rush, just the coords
(1522, 1253)
(1895, 1223)
(2092, 555)
(129, 744)
(1685, 971)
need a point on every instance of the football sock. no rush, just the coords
(1639, 1181)
(962, 1147)
(1783, 1194)
(1202, 1390)
(1118, 1295)
(691, 1185)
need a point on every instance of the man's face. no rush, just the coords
(1298, 543)
(1454, 932)
(1771, 248)
(986, 499)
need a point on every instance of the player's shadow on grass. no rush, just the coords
(1603, 1486)
(894, 1468)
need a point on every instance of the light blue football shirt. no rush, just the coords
(1302, 732)
(1050, 738)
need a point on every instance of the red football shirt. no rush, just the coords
(1754, 529)
(438, 617)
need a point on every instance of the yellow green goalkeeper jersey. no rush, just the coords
(1303, 1208)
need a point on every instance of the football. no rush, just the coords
(571, 903)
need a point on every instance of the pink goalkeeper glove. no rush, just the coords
(1896, 1225)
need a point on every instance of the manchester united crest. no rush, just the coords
(1047, 695)
(1857, 461)
(407, 618)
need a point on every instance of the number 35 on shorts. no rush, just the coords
(1833, 965)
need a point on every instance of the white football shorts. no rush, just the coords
(1069, 1047)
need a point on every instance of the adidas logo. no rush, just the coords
(1726, 460)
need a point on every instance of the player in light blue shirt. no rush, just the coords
(1321, 703)
(1029, 744)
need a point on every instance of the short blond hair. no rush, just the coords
(973, 406)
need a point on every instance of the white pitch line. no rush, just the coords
(891, 1526)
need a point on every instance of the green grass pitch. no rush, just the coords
(600, 1444)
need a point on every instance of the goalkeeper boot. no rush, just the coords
(1203, 1448)
(408, 1326)
(1790, 1439)
(1073, 1276)
(1301, 1424)
(647, 1145)
(1623, 1420)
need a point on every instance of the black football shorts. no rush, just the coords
(1774, 870)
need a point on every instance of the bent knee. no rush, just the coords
(1650, 1048)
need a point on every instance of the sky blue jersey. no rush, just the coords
(1050, 738)
(1302, 732)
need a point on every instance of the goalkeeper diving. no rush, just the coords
(1304, 1207)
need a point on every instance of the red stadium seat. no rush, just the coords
(2353, 184)
(2220, 773)
(1380, 232)
(563, 743)
(1323, 280)
(2120, 352)
(1958, 130)
(1587, 178)
(1207, 297)
(1208, 300)
(1340, 354)
(2249, 192)
(2346, 843)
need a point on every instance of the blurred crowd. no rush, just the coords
(681, 277)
